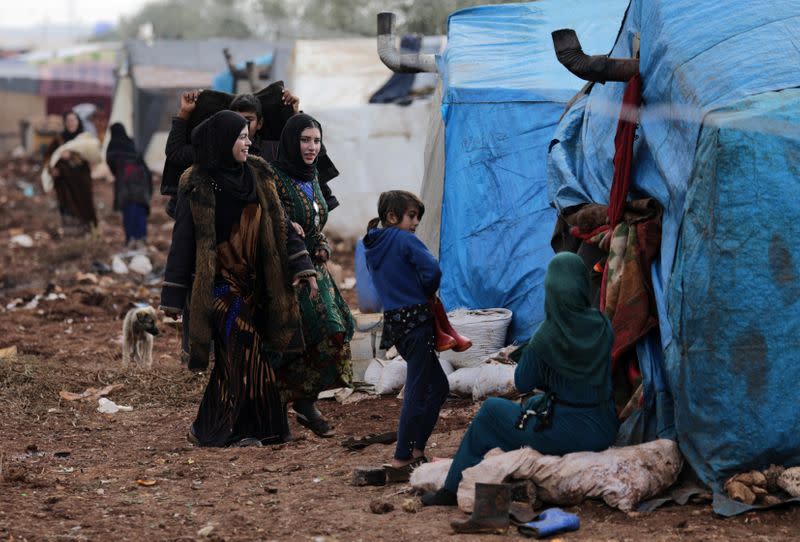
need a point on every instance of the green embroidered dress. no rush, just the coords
(327, 322)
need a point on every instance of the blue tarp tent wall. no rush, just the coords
(718, 147)
(503, 94)
(224, 82)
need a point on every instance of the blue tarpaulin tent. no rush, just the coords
(224, 82)
(718, 147)
(503, 94)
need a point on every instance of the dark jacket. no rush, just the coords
(404, 271)
(179, 157)
(133, 182)
(192, 264)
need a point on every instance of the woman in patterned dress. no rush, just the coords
(327, 322)
(234, 247)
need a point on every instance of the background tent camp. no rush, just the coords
(152, 76)
(718, 143)
(503, 92)
(376, 147)
(334, 79)
(34, 85)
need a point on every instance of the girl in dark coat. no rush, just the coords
(234, 247)
(132, 184)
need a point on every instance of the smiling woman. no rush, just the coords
(327, 323)
(241, 148)
(232, 245)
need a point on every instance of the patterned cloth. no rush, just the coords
(328, 324)
(398, 322)
(241, 399)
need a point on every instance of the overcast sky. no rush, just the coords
(26, 13)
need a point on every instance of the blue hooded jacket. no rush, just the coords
(404, 271)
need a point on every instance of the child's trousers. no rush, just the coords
(425, 392)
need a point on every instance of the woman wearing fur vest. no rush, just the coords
(234, 246)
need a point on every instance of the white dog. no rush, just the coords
(138, 330)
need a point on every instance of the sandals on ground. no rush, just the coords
(355, 444)
(403, 474)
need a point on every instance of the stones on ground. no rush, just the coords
(118, 266)
(206, 531)
(140, 264)
(757, 487)
(739, 492)
(772, 474)
(380, 507)
(22, 240)
(410, 505)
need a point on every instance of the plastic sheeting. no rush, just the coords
(734, 299)
(697, 57)
(377, 147)
(224, 81)
(504, 92)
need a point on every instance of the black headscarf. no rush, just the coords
(120, 142)
(213, 141)
(289, 158)
(69, 136)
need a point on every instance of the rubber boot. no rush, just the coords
(440, 315)
(550, 522)
(490, 512)
(443, 340)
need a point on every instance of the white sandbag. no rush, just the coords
(392, 377)
(621, 477)
(430, 476)
(494, 380)
(486, 328)
(462, 381)
(789, 481)
(373, 373)
(446, 367)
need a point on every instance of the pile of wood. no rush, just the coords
(764, 487)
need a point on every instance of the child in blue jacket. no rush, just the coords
(406, 277)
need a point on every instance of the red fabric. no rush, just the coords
(620, 186)
(623, 144)
(575, 231)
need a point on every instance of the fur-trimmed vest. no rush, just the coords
(281, 324)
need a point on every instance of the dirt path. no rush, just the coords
(68, 472)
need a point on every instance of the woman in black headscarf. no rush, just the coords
(327, 322)
(132, 184)
(72, 180)
(234, 247)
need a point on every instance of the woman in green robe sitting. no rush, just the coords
(327, 322)
(568, 362)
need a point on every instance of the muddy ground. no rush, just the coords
(68, 472)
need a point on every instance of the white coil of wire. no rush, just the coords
(486, 328)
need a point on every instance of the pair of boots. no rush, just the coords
(446, 337)
(492, 514)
